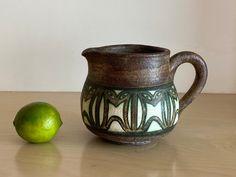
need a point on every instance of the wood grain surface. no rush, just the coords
(202, 144)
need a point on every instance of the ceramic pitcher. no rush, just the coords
(129, 96)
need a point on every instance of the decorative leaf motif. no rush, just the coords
(123, 95)
(166, 96)
(146, 96)
(114, 98)
(149, 98)
(88, 92)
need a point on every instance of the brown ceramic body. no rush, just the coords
(126, 83)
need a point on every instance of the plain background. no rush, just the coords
(41, 41)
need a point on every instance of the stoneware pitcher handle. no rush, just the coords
(200, 77)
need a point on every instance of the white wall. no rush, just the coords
(41, 41)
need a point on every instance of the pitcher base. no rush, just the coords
(130, 138)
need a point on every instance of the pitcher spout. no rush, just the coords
(89, 51)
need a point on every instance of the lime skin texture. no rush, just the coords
(37, 122)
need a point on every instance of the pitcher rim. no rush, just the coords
(127, 50)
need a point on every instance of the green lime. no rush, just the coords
(37, 122)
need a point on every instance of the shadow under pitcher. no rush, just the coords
(129, 96)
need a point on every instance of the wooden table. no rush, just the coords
(203, 143)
